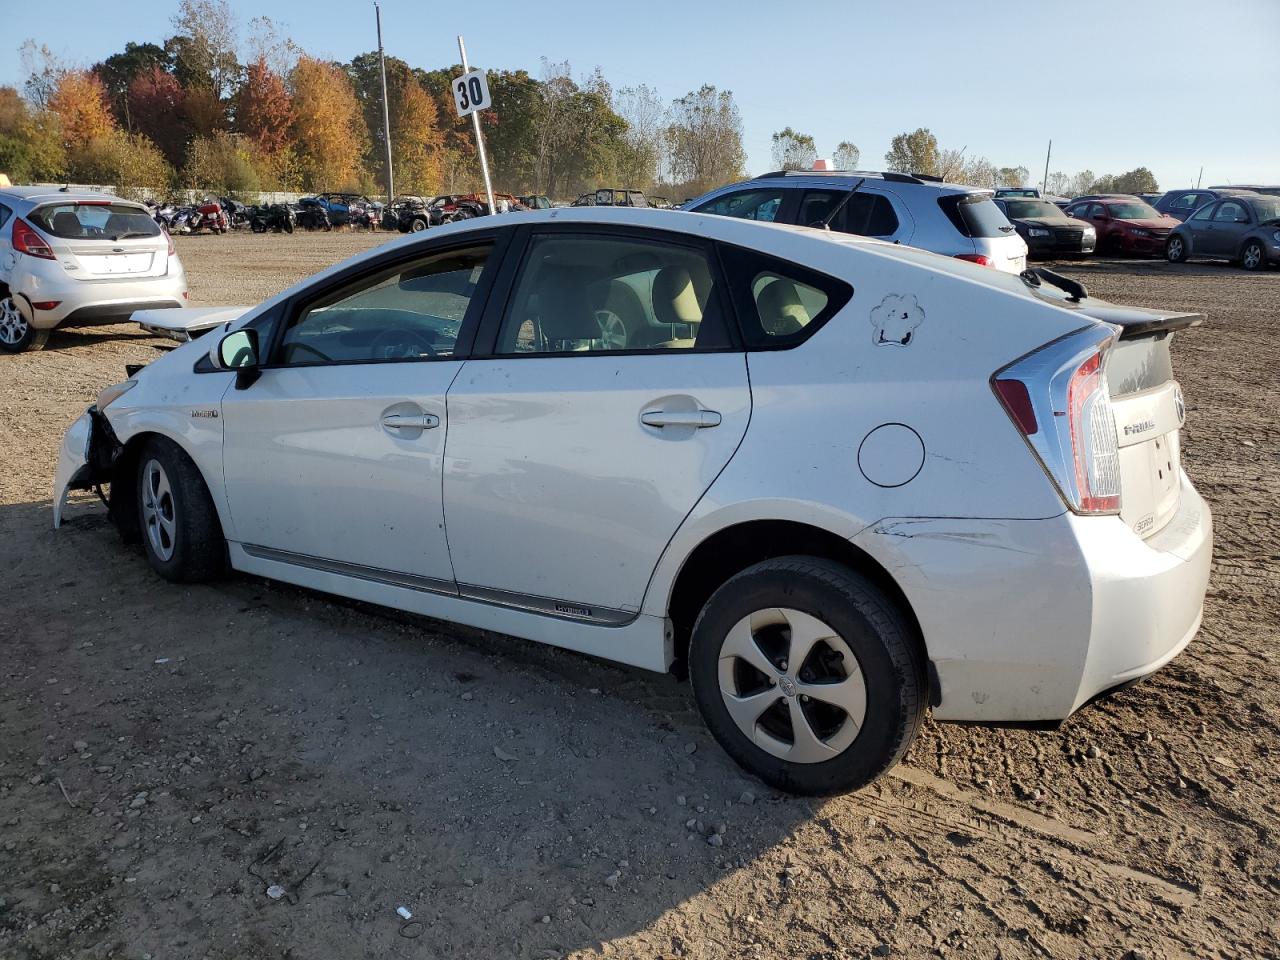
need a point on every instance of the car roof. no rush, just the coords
(850, 177)
(55, 193)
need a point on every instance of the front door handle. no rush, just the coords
(405, 421)
(680, 418)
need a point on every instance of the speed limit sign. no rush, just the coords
(471, 93)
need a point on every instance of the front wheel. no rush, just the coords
(1175, 251)
(1253, 257)
(808, 675)
(181, 534)
(16, 335)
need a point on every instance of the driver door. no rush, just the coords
(332, 457)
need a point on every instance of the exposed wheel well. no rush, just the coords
(124, 485)
(735, 548)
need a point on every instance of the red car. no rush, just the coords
(1124, 224)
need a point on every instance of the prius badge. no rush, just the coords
(204, 414)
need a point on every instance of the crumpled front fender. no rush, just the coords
(73, 464)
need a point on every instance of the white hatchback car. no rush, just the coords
(79, 258)
(840, 480)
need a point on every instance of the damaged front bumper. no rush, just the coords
(89, 449)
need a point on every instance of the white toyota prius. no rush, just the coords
(839, 482)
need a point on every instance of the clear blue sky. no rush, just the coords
(1169, 84)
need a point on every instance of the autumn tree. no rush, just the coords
(416, 141)
(645, 115)
(846, 156)
(793, 150)
(704, 140)
(119, 70)
(914, 152)
(264, 109)
(130, 163)
(328, 128)
(156, 105)
(1140, 180)
(1012, 176)
(221, 164)
(31, 146)
(80, 102)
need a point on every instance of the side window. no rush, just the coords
(746, 205)
(5, 214)
(591, 294)
(1205, 213)
(412, 311)
(779, 303)
(1230, 212)
(1185, 203)
(866, 214)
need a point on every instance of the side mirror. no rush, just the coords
(238, 351)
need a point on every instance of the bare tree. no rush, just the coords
(646, 117)
(204, 49)
(43, 70)
(704, 140)
(793, 150)
(553, 124)
(267, 41)
(846, 156)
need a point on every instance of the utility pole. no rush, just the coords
(475, 119)
(386, 114)
(1198, 176)
(1044, 184)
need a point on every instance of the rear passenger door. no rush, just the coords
(608, 392)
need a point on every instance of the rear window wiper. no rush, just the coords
(1075, 290)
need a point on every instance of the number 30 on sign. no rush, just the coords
(471, 93)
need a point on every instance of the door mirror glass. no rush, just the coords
(238, 350)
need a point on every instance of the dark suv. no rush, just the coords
(1181, 204)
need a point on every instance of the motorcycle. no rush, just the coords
(274, 217)
(237, 212)
(212, 217)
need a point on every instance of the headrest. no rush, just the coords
(677, 297)
(565, 310)
(781, 311)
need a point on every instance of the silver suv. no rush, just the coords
(945, 218)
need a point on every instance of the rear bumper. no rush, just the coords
(1025, 621)
(91, 301)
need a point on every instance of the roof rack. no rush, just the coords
(883, 175)
(928, 177)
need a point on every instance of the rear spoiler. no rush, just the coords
(1134, 322)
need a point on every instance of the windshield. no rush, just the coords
(1137, 210)
(1266, 208)
(83, 220)
(1027, 209)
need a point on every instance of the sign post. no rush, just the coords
(471, 95)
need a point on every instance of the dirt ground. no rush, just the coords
(168, 755)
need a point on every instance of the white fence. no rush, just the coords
(183, 196)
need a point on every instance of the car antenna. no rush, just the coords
(1074, 288)
(825, 222)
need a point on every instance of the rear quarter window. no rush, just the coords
(779, 304)
(82, 221)
(976, 215)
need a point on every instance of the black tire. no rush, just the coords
(1253, 256)
(288, 226)
(16, 334)
(1175, 250)
(258, 226)
(194, 549)
(877, 633)
(418, 224)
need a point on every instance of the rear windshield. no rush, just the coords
(79, 221)
(976, 215)
(1027, 209)
(1266, 208)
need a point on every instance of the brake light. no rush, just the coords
(46, 304)
(26, 240)
(981, 259)
(1093, 439)
(169, 238)
(1057, 397)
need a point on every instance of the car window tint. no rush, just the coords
(94, 220)
(1229, 212)
(409, 312)
(866, 214)
(5, 213)
(589, 294)
(745, 205)
(1188, 201)
(779, 303)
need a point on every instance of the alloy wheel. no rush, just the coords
(792, 685)
(613, 332)
(1252, 258)
(1174, 251)
(13, 325)
(158, 516)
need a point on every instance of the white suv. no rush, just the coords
(945, 218)
(78, 258)
(841, 481)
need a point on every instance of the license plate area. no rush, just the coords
(114, 264)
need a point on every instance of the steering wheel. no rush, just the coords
(403, 338)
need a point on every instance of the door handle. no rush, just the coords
(404, 421)
(680, 418)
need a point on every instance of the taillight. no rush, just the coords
(26, 240)
(172, 249)
(981, 259)
(1057, 397)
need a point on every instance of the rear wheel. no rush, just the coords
(418, 224)
(16, 334)
(181, 534)
(807, 675)
(1175, 251)
(1253, 257)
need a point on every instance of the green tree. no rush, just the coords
(793, 150)
(704, 141)
(914, 152)
(1140, 180)
(846, 156)
(31, 147)
(130, 163)
(221, 164)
